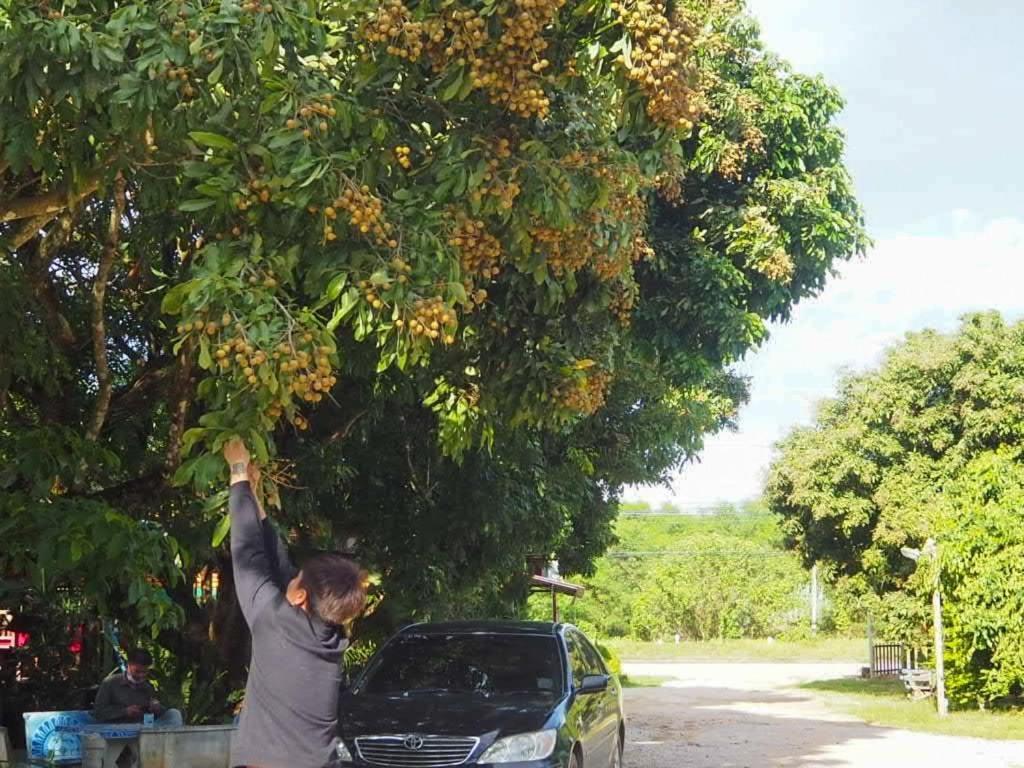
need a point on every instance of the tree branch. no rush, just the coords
(99, 327)
(42, 209)
(179, 408)
(47, 204)
(152, 378)
(342, 433)
(38, 275)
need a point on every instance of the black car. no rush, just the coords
(509, 694)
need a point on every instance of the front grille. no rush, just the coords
(414, 751)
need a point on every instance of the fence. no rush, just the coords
(886, 659)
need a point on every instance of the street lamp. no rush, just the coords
(931, 550)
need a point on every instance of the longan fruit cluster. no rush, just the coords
(370, 293)
(394, 27)
(313, 117)
(300, 365)
(260, 190)
(456, 34)
(254, 7)
(180, 77)
(432, 319)
(509, 69)
(610, 265)
(402, 155)
(307, 368)
(494, 185)
(480, 252)
(660, 63)
(512, 73)
(564, 250)
(365, 214)
(777, 266)
(623, 300)
(670, 187)
(578, 159)
(402, 268)
(476, 297)
(584, 395)
(180, 26)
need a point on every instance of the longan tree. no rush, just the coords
(457, 271)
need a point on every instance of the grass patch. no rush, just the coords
(643, 681)
(816, 650)
(883, 702)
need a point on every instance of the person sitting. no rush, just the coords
(129, 696)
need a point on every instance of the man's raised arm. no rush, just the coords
(281, 566)
(255, 584)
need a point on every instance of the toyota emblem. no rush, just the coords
(413, 743)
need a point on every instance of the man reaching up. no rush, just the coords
(291, 697)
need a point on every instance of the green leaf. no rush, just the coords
(214, 77)
(205, 361)
(214, 140)
(335, 287)
(269, 41)
(175, 298)
(348, 301)
(221, 531)
(453, 88)
(196, 204)
(190, 438)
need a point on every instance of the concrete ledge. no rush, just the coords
(196, 746)
(6, 750)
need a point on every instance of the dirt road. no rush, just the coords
(745, 716)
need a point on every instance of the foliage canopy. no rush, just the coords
(457, 271)
(927, 445)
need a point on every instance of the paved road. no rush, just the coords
(746, 716)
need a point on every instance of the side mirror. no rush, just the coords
(594, 684)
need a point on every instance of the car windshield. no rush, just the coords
(486, 664)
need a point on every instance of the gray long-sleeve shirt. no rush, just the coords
(116, 694)
(291, 697)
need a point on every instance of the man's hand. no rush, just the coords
(237, 457)
(133, 710)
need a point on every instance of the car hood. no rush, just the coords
(445, 714)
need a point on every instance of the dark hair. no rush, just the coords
(336, 587)
(140, 656)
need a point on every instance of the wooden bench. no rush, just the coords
(919, 683)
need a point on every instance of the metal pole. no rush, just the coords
(871, 648)
(814, 598)
(940, 669)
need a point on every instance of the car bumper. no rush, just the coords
(551, 762)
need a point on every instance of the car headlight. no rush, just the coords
(521, 748)
(343, 754)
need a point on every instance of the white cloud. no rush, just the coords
(907, 283)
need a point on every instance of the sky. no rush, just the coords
(933, 120)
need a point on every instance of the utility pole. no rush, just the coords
(814, 598)
(931, 550)
(940, 667)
